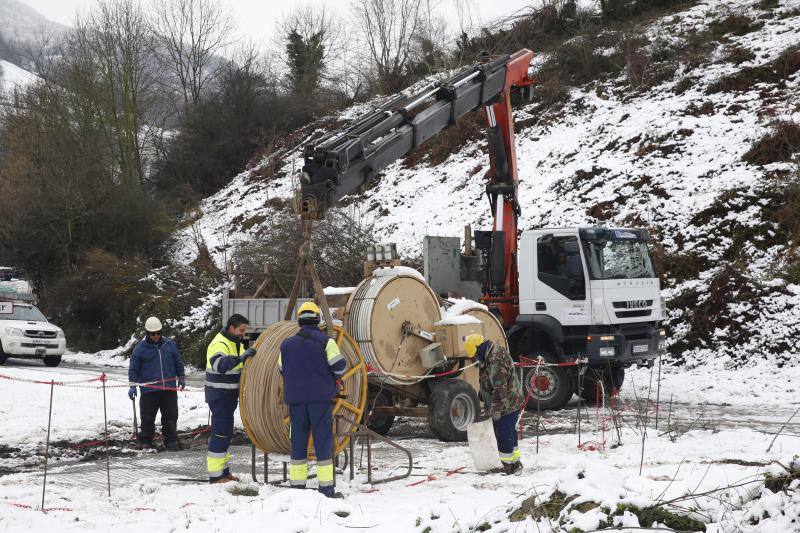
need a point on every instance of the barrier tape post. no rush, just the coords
(658, 391)
(538, 404)
(135, 424)
(105, 423)
(47, 441)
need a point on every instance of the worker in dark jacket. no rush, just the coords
(225, 360)
(157, 361)
(502, 396)
(312, 368)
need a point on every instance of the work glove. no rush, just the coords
(247, 354)
(181, 383)
(495, 417)
(132, 393)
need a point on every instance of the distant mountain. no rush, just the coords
(20, 24)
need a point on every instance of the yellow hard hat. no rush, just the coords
(471, 344)
(308, 310)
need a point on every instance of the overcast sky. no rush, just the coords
(256, 18)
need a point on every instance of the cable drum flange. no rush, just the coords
(375, 315)
(266, 417)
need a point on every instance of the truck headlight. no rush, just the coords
(14, 332)
(608, 351)
(59, 334)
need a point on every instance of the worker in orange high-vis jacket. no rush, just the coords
(225, 360)
(312, 368)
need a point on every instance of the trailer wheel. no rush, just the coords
(452, 406)
(612, 377)
(3, 355)
(380, 424)
(52, 360)
(551, 388)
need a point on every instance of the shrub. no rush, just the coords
(776, 72)
(780, 144)
(96, 302)
(733, 23)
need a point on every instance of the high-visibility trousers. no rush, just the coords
(222, 410)
(505, 429)
(315, 419)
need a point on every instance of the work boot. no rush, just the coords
(231, 477)
(329, 492)
(512, 468)
(171, 442)
(221, 479)
(145, 445)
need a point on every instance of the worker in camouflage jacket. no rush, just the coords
(501, 394)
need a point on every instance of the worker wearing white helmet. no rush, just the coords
(157, 366)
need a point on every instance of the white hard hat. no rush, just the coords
(152, 325)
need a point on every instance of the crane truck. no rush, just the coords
(562, 294)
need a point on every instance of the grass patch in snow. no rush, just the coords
(780, 144)
(656, 516)
(733, 23)
(559, 506)
(773, 72)
(243, 490)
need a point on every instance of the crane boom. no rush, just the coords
(342, 161)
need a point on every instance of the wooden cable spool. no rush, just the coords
(375, 314)
(266, 417)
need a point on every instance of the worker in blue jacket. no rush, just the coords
(157, 361)
(312, 368)
(225, 358)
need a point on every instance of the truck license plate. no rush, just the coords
(39, 341)
(639, 348)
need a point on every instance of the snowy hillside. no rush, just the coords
(670, 156)
(13, 77)
(20, 23)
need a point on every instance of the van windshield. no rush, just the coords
(27, 313)
(618, 260)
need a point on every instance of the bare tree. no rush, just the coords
(190, 34)
(389, 27)
(108, 67)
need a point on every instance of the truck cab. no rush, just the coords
(589, 293)
(25, 333)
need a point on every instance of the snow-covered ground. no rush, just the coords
(77, 401)
(444, 493)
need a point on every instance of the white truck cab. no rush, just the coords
(587, 292)
(25, 333)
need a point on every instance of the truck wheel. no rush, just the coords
(452, 406)
(551, 387)
(612, 377)
(3, 355)
(380, 424)
(52, 360)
